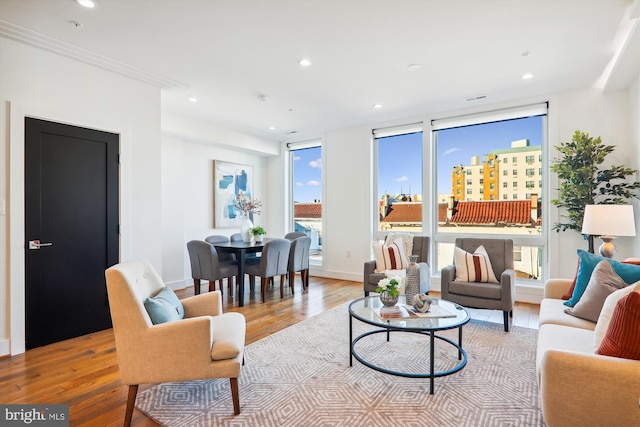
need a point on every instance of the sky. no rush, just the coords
(400, 157)
(307, 175)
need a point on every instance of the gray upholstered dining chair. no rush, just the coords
(294, 235)
(273, 262)
(205, 265)
(492, 296)
(197, 341)
(218, 238)
(299, 260)
(421, 249)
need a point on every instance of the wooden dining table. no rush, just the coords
(241, 249)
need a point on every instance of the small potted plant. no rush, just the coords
(258, 233)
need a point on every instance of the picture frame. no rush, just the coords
(229, 180)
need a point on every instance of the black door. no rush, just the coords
(71, 229)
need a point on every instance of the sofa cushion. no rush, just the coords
(474, 267)
(621, 339)
(606, 313)
(567, 296)
(560, 337)
(552, 312)
(476, 290)
(228, 333)
(164, 307)
(628, 272)
(602, 283)
(390, 256)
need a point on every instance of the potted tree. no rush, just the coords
(583, 181)
(258, 233)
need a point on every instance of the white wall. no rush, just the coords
(187, 187)
(40, 84)
(634, 118)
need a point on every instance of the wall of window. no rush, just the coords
(398, 179)
(306, 193)
(500, 156)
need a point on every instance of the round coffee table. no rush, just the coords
(367, 310)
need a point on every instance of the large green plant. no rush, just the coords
(583, 182)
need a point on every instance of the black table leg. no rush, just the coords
(241, 259)
(350, 339)
(431, 360)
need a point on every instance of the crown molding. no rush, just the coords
(23, 35)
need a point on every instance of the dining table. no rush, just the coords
(241, 249)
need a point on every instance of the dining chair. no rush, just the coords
(299, 261)
(294, 235)
(205, 265)
(218, 238)
(273, 262)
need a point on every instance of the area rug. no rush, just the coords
(300, 376)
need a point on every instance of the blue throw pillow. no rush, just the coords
(628, 272)
(164, 307)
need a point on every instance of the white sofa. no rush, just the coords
(577, 386)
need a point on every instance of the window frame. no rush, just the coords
(535, 241)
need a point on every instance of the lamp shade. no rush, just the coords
(609, 220)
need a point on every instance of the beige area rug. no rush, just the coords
(301, 376)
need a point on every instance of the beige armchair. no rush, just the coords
(492, 296)
(205, 344)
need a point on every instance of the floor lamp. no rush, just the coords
(608, 222)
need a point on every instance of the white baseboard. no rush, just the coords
(5, 348)
(180, 284)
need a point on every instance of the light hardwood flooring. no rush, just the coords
(83, 372)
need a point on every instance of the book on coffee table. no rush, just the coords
(407, 311)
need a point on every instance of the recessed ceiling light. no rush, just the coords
(304, 62)
(413, 67)
(192, 99)
(86, 3)
(272, 128)
(377, 105)
(527, 76)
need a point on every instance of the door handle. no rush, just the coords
(35, 244)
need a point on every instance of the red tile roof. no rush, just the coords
(492, 212)
(307, 210)
(404, 212)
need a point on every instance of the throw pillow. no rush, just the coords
(603, 282)
(607, 312)
(474, 267)
(622, 335)
(164, 307)
(390, 256)
(630, 273)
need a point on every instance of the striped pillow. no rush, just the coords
(474, 267)
(390, 256)
(621, 339)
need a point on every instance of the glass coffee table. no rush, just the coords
(367, 310)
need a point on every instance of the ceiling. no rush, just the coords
(239, 58)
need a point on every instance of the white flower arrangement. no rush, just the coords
(390, 285)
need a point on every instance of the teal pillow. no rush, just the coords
(628, 272)
(164, 307)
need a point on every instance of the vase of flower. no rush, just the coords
(388, 289)
(245, 229)
(388, 300)
(246, 206)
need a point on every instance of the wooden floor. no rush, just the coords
(83, 372)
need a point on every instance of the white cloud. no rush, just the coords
(451, 151)
(316, 163)
(299, 184)
(313, 183)
(402, 178)
(296, 158)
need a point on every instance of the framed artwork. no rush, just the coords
(230, 179)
